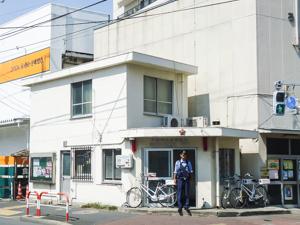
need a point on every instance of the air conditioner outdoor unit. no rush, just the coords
(199, 121)
(171, 121)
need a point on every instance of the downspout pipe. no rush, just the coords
(217, 173)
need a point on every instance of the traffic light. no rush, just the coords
(279, 103)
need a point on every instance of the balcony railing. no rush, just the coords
(137, 8)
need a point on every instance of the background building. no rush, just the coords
(240, 48)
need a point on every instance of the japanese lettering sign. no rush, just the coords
(33, 63)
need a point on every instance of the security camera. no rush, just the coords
(278, 85)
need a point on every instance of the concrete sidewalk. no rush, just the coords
(209, 212)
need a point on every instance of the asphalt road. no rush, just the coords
(10, 213)
(176, 220)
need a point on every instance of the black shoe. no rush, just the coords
(180, 211)
(188, 211)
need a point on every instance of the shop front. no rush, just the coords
(283, 164)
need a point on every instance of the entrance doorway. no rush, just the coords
(65, 178)
(161, 161)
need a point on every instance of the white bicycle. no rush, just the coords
(164, 194)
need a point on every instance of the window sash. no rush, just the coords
(82, 98)
(162, 101)
(111, 172)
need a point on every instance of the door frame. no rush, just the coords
(61, 169)
(145, 164)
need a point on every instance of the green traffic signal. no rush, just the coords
(280, 109)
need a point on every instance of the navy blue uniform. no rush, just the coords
(183, 171)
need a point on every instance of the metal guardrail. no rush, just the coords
(38, 198)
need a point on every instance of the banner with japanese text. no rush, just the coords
(24, 66)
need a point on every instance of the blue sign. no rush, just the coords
(291, 102)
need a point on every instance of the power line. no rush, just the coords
(54, 25)
(18, 102)
(23, 9)
(134, 16)
(52, 19)
(13, 108)
(39, 42)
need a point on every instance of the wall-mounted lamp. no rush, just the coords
(133, 145)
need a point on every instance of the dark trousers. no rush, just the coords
(183, 185)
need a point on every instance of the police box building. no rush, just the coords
(118, 118)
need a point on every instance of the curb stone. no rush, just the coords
(209, 212)
(41, 220)
(253, 213)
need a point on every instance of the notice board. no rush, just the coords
(42, 169)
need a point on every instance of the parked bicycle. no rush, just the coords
(164, 194)
(229, 183)
(250, 190)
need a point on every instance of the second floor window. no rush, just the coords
(82, 98)
(158, 96)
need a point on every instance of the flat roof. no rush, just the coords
(189, 132)
(135, 58)
(278, 131)
(14, 121)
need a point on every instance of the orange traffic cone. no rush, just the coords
(20, 195)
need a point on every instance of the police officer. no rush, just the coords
(182, 175)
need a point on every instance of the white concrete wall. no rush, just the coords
(135, 109)
(13, 139)
(117, 90)
(219, 39)
(277, 58)
(51, 108)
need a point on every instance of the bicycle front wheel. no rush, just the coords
(261, 195)
(167, 196)
(225, 201)
(237, 198)
(134, 197)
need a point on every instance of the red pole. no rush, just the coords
(27, 202)
(67, 204)
(38, 204)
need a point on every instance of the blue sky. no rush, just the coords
(13, 8)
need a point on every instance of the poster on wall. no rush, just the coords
(290, 174)
(273, 164)
(285, 175)
(42, 169)
(288, 192)
(288, 165)
(273, 174)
